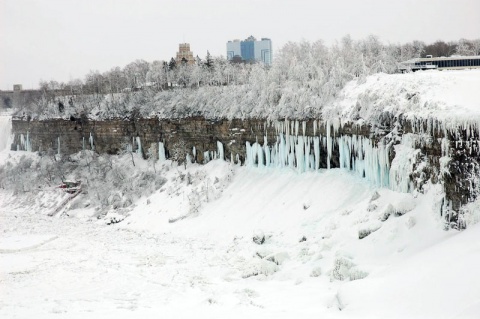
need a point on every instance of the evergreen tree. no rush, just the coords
(172, 65)
(208, 60)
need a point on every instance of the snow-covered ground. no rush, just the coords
(177, 258)
(451, 97)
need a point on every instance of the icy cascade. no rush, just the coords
(356, 153)
(25, 144)
(404, 161)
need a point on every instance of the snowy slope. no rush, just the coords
(178, 260)
(449, 96)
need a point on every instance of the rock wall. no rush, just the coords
(450, 157)
(114, 136)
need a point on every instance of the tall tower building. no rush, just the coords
(184, 54)
(250, 50)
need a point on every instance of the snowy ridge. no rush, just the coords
(447, 99)
(219, 240)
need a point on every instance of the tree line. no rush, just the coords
(308, 73)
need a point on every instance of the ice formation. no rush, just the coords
(90, 139)
(356, 153)
(139, 145)
(25, 144)
(220, 151)
(206, 157)
(161, 152)
(5, 132)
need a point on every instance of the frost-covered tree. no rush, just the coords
(136, 73)
(157, 73)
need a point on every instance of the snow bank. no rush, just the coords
(415, 287)
(451, 97)
(311, 263)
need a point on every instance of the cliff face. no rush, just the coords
(115, 136)
(425, 152)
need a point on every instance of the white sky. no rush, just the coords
(64, 39)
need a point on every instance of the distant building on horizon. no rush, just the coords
(455, 62)
(184, 55)
(250, 50)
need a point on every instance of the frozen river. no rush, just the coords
(312, 263)
(64, 266)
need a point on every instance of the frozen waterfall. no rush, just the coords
(303, 153)
(5, 132)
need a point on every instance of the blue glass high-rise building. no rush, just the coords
(247, 50)
(250, 50)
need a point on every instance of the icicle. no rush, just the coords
(161, 152)
(304, 127)
(329, 145)
(336, 125)
(267, 151)
(194, 152)
(300, 154)
(139, 145)
(291, 151)
(250, 157)
(90, 139)
(206, 157)
(28, 145)
(282, 152)
(308, 142)
(22, 142)
(316, 150)
(58, 149)
(220, 151)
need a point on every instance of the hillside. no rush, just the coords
(181, 260)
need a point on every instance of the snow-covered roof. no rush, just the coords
(455, 57)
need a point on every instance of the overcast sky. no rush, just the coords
(64, 39)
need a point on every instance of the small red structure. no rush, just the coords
(71, 187)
